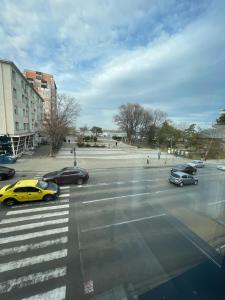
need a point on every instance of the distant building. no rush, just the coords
(21, 109)
(45, 85)
(113, 132)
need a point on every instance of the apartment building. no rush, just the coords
(21, 109)
(45, 85)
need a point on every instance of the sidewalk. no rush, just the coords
(48, 164)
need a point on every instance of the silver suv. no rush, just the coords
(181, 178)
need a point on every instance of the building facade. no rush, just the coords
(45, 85)
(21, 110)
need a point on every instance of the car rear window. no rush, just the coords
(42, 184)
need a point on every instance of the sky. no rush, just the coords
(162, 54)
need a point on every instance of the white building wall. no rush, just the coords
(6, 105)
(21, 108)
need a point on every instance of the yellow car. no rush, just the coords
(28, 190)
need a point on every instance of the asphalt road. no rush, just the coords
(123, 233)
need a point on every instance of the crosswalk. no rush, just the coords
(34, 250)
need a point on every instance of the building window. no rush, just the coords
(17, 126)
(13, 75)
(23, 99)
(15, 110)
(14, 94)
(24, 112)
(22, 83)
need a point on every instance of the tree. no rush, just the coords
(221, 119)
(130, 119)
(168, 134)
(56, 125)
(158, 117)
(96, 130)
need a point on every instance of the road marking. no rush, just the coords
(31, 279)
(64, 195)
(32, 235)
(122, 223)
(33, 217)
(33, 260)
(58, 202)
(29, 210)
(125, 196)
(64, 187)
(33, 225)
(56, 294)
(24, 248)
(216, 202)
(120, 182)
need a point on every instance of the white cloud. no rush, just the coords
(164, 54)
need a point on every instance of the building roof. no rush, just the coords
(18, 70)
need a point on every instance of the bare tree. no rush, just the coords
(135, 120)
(130, 118)
(56, 124)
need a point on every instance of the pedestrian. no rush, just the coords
(69, 141)
(148, 160)
(116, 144)
(159, 154)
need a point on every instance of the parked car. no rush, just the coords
(181, 179)
(197, 163)
(6, 173)
(7, 159)
(68, 175)
(28, 190)
(186, 168)
(221, 167)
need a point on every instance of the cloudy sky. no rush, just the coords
(165, 54)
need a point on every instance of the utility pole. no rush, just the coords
(74, 156)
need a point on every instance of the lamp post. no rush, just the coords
(74, 156)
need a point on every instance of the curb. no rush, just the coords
(109, 168)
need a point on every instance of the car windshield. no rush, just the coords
(42, 184)
(112, 119)
(176, 175)
(10, 186)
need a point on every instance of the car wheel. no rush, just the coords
(80, 181)
(10, 202)
(196, 182)
(48, 198)
(181, 184)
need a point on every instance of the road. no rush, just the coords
(123, 233)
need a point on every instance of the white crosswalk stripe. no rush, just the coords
(29, 210)
(27, 236)
(33, 225)
(64, 187)
(38, 204)
(29, 261)
(35, 246)
(56, 294)
(64, 195)
(31, 279)
(33, 217)
(27, 247)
